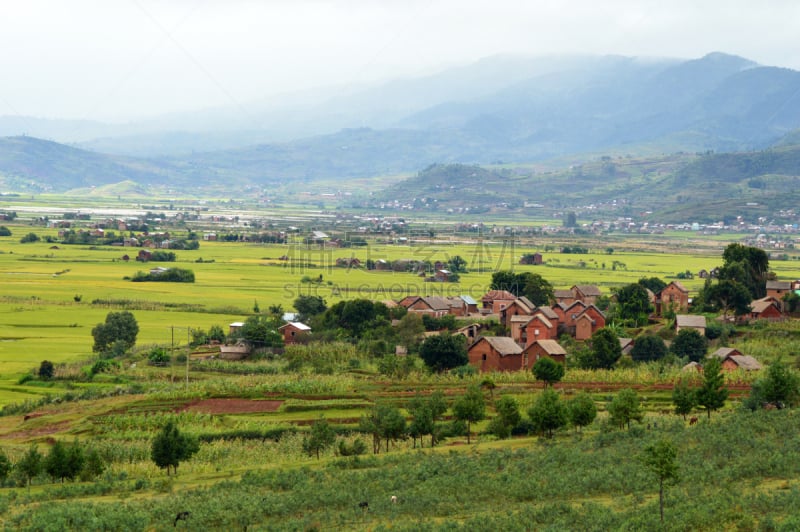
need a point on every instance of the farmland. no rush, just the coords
(251, 417)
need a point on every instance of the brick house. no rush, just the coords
(518, 307)
(674, 297)
(686, 321)
(778, 289)
(495, 353)
(291, 330)
(586, 293)
(588, 322)
(432, 305)
(497, 300)
(766, 308)
(545, 348)
(539, 328)
(531, 259)
(733, 359)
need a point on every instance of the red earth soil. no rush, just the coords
(232, 406)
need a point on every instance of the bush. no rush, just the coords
(30, 237)
(5, 231)
(158, 356)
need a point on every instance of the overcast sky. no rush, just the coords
(128, 59)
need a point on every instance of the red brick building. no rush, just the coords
(495, 353)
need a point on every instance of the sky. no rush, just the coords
(125, 60)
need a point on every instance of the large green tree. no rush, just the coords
(31, 463)
(625, 408)
(684, 398)
(605, 349)
(747, 265)
(548, 413)
(119, 331)
(648, 347)
(470, 407)
(321, 437)
(528, 284)
(507, 418)
(712, 393)
(660, 458)
(548, 370)
(386, 423)
(171, 447)
(728, 296)
(261, 331)
(309, 306)
(581, 410)
(444, 351)
(780, 386)
(633, 303)
(690, 344)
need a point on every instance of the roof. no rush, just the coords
(297, 325)
(563, 294)
(551, 347)
(528, 303)
(468, 300)
(588, 290)
(745, 362)
(692, 366)
(779, 285)
(543, 319)
(686, 320)
(677, 285)
(758, 306)
(625, 342)
(289, 316)
(723, 352)
(319, 234)
(494, 295)
(524, 306)
(236, 324)
(437, 302)
(520, 318)
(547, 312)
(502, 344)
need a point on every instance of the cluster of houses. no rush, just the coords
(533, 331)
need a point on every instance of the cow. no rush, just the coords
(182, 516)
(693, 421)
(364, 505)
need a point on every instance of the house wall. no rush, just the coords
(289, 333)
(770, 313)
(583, 329)
(545, 332)
(729, 365)
(672, 298)
(484, 357)
(535, 352)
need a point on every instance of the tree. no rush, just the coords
(444, 351)
(5, 466)
(689, 344)
(261, 331)
(780, 386)
(30, 237)
(46, 370)
(120, 328)
(684, 398)
(470, 407)
(728, 296)
(55, 464)
(648, 347)
(548, 413)
(712, 393)
(625, 408)
(548, 370)
(605, 349)
(421, 419)
(507, 418)
(5, 231)
(654, 284)
(385, 423)
(309, 306)
(411, 331)
(170, 447)
(93, 466)
(31, 463)
(633, 303)
(438, 406)
(457, 264)
(747, 265)
(660, 458)
(322, 436)
(536, 288)
(581, 410)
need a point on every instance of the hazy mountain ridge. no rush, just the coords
(539, 109)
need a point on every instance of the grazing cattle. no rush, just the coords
(693, 421)
(770, 406)
(364, 505)
(394, 499)
(182, 516)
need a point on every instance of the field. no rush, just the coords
(251, 417)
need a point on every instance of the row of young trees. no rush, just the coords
(63, 462)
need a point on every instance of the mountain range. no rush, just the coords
(500, 110)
